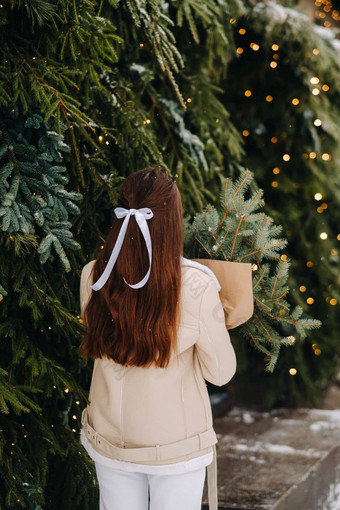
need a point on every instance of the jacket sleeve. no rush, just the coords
(214, 350)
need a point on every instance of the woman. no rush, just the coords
(155, 327)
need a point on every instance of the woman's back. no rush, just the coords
(143, 406)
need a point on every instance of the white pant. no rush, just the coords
(121, 490)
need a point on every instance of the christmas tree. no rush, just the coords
(90, 92)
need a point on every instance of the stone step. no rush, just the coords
(286, 459)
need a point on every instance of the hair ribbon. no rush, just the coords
(141, 216)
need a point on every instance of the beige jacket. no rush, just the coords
(161, 416)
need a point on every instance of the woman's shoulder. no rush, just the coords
(195, 272)
(87, 269)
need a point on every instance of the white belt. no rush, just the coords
(159, 452)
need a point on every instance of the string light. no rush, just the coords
(295, 101)
(310, 300)
(276, 170)
(141, 45)
(292, 371)
(326, 157)
(269, 99)
(338, 237)
(302, 288)
(314, 80)
(316, 51)
(275, 184)
(242, 31)
(317, 352)
(315, 91)
(317, 122)
(325, 88)
(188, 101)
(318, 196)
(254, 46)
(239, 51)
(333, 302)
(245, 132)
(232, 20)
(286, 157)
(283, 257)
(312, 155)
(305, 155)
(273, 64)
(275, 47)
(66, 390)
(273, 139)
(254, 267)
(248, 93)
(324, 205)
(100, 138)
(309, 263)
(323, 235)
(276, 56)
(291, 339)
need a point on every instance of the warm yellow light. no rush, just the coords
(276, 170)
(248, 93)
(282, 311)
(275, 184)
(317, 122)
(232, 20)
(242, 31)
(324, 205)
(283, 257)
(315, 92)
(302, 288)
(255, 47)
(141, 45)
(276, 56)
(189, 100)
(312, 155)
(314, 346)
(245, 132)
(320, 210)
(338, 237)
(310, 300)
(66, 390)
(317, 352)
(292, 371)
(275, 47)
(239, 51)
(273, 139)
(325, 88)
(315, 51)
(309, 263)
(273, 64)
(314, 80)
(323, 235)
(333, 302)
(318, 196)
(326, 156)
(305, 155)
(100, 138)
(295, 101)
(286, 157)
(269, 99)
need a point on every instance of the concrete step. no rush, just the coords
(281, 460)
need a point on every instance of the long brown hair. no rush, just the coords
(136, 327)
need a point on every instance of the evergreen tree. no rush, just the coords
(90, 92)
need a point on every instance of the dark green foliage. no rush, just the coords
(100, 89)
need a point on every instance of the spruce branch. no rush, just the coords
(237, 232)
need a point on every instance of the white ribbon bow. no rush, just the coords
(141, 216)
